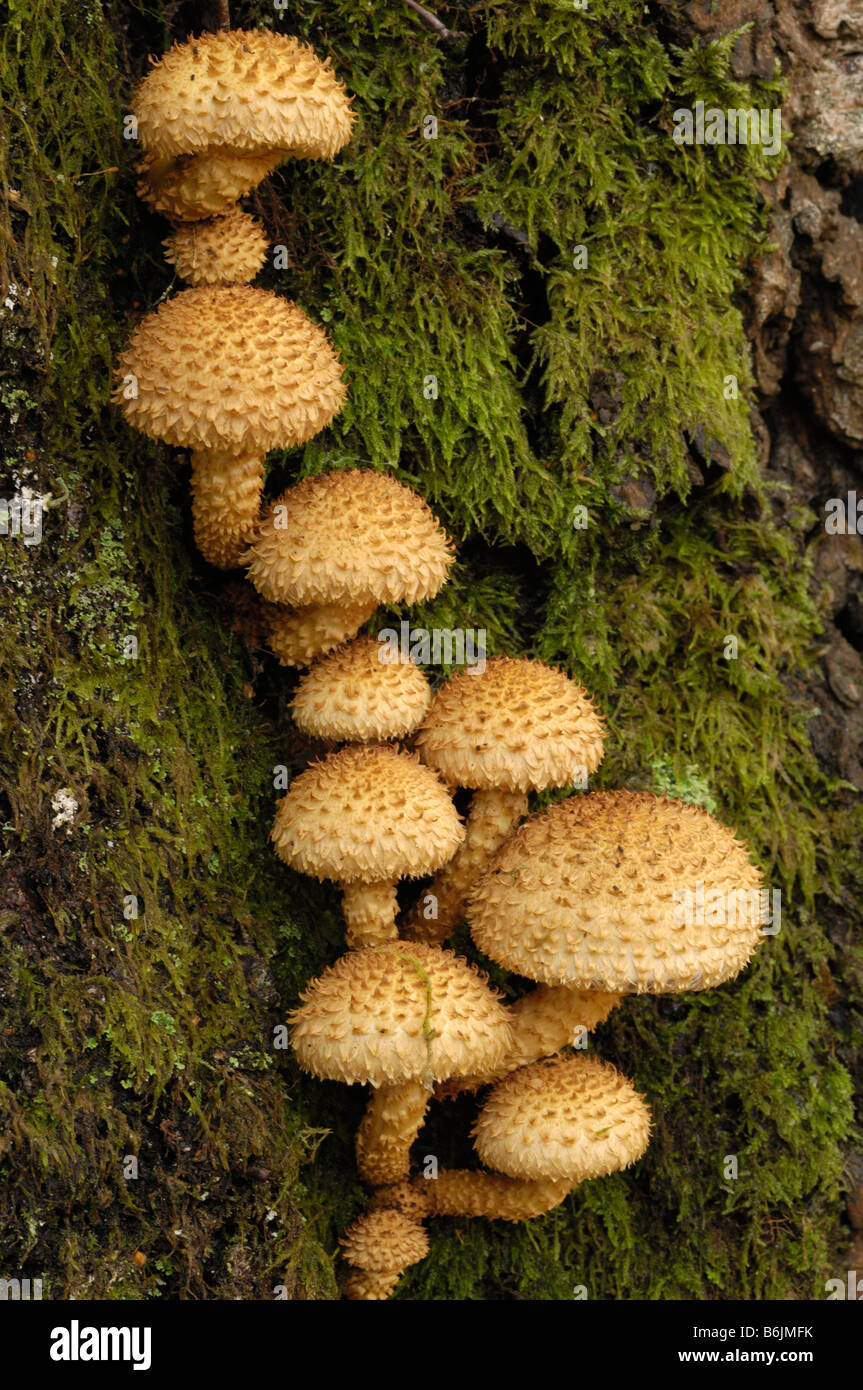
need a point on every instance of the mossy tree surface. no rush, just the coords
(514, 381)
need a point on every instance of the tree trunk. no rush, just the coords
(566, 331)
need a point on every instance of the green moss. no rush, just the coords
(447, 258)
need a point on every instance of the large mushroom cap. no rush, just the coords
(516, 726)
(354, 695)
(364, 815)
(226, 250)
(350, 537)
(229, 368)
(593, 893)
(397, 1013)
(567, 1117)
(248, 91)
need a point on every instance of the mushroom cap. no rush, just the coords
(519, 725)
(226, 250)
(242, 90)
(591, 893)
(563, 1117)
(384, 1240)
(367, 815)
(349, 537)
(354, 695)
(402, 1012)
(230, 368)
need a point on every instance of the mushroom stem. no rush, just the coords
(226, 501)
(461, 1192)
(393, 1118)
(545, 1020)
(493, 816)
(298, 635)
(366, 1284)
(370, 913)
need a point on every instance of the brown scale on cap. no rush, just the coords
(517, 726)
(566, 1118)
(398, 1018)
(347, 540)
(353, 695)
(366, 817)
(228, 372)
(218, 113)
(380, 1245)
(591, 894)
(227, 250)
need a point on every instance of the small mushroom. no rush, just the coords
(351, 695)
(397, 1018)
(546, 1128)
(226, 250)
(381, 1245)
(366, 817)
(518, 726)
(229, 372)
(592, 894)
(335, 546)
(218, 113)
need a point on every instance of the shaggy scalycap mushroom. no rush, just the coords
(227, 250)
(347, 541)
(602, 892)
(366, 817)
(399, 1018)
(568, 1118)
(353, 696)
(380, 1245)
(218, 113)
(545, 1128)
(517, 726)
(228, 372)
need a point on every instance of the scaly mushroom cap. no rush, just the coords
(367, 815)
(397, 1013)
(249, 91)
(354, 695)
(226, 250)
(349, 537)
(593, 893)
(383, 1240)
(229, 368)
(565, 1118)
(517, 726)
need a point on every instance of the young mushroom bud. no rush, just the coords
(353, 696)
(546, 1128)
(218, 113)
(515, 727)
(381, 1245)
(398, 1018)
(229, 372)
(226, 250)
(366, 817)
(621, 892)
(335, 546)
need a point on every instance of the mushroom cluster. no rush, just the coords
(224, 370)
(582, 898)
